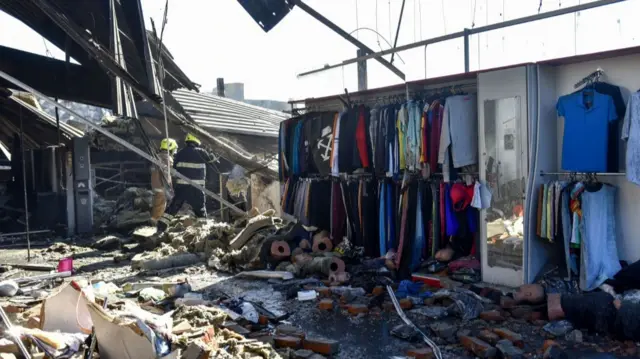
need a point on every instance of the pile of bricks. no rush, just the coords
(290, 337)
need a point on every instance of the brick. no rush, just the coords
(508, 350)
(421, 353)
(302, 354)
(488, 336)
(355, 309)
(33, 322)
(14, 308)
(388, 307)
(290, 330)
(514, 338)
(324, 292)
(284, 341)
(521, 312)
(321, 346)
(492, 316)
(406, 304)
(263, 320)
(534, 317)
(507, 302)
(196, 350)
(379, 290)
(478, 347)
(325, 304)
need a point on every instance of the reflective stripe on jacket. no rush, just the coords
(192, 162)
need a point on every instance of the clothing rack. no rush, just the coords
(592, 77)
(542, 173)
(402, 98)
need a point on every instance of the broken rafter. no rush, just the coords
(111, 66)
(119, 141)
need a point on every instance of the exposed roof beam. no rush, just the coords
(395, 42)
(309, 10)
(477, 30)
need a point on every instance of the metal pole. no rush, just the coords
(309, 10)
(24, 188)
(362, 73)
(15, 336)
(395, 42)
(466, 50)
(120, 141)
(477, 30)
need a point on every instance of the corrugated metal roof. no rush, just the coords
(226, 115)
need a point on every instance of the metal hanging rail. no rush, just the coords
(468, 32)
(542, 173)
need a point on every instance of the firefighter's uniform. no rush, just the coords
(161, 178)
(190, 161)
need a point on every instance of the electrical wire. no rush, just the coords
(444, 18)
(378, 34)
(420, 14)
(473, 19)
(357, 21)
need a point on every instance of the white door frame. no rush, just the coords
(497, 85)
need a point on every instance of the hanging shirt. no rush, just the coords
(362, 131)
(401, 128)
(543, 223)
(335, 168)
(631, 133)
(459, 133)
(321, 141)
(435, 118)
(601, 260)
(412, 149)
(586, 121)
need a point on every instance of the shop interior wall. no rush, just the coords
(622, 71)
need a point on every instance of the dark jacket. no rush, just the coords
(192, 161)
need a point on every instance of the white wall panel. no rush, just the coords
(624, 72)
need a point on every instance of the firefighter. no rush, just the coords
(161, 178)
(191, 161)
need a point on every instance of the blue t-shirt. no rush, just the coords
(584, 144)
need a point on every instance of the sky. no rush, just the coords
(217, 38)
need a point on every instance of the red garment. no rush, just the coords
(361, 138)
(461, 196)
(436, 127)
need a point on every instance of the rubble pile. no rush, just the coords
(121, 127)
(130, 210)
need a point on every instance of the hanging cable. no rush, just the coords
(420, 13)
(377, 33)
(540, 7)
(444, 19)
(473, 18)
(357, 22)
